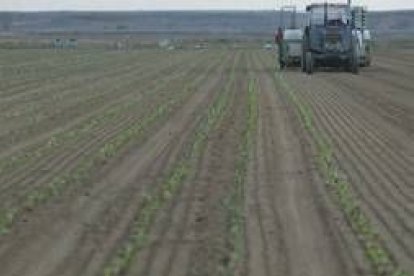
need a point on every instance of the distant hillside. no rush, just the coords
(213, 23)
(392, 22)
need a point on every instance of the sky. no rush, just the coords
(39, 5)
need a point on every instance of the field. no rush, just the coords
(207, 162)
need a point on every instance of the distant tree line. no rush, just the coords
(6, 21)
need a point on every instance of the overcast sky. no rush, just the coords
(35, 5)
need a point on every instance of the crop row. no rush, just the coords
(234, 203)
(379, 257)
(49, 66)
(32, 124)
(37, 101)
(116, 111)
(83, 171)
(98, 117)
(160, 197)
(100, 67)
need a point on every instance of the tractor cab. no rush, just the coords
(334, 15)
(328, 39)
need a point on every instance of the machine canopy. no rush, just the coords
(336, 15)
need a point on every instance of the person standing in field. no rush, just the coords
(281, 48)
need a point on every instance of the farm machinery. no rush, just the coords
(289, 38)
(334, 35)
(329, 38)
(359, 19)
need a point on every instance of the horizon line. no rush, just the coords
(172, 10)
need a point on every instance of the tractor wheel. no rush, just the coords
(354, 59)
(303, 62)
(355, 63)
(309, 64)
(304, 51)
(368, 61)
(282, 65)
(368, 57)
(363, 64)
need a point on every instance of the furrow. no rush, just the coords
(71, 112)
(62, 159)
(365, 193)
(386, 171)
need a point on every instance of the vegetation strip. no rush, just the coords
(152, 204)
(117, 72)
(380, 258)
(80, 135)
(32, 124)
(235, 202)
(58, 140)
(39, 75)
(84, 170)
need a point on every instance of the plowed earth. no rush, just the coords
(197, 163)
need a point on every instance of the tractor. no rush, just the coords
(329, 38)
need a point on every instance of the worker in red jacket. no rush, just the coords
(281, 47)
(279, 36)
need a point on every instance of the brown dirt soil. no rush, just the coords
(292, 224)
(76, 235)
(187, 237)
(17, 183)
(50, 112)
(292, 228)
(370, 118)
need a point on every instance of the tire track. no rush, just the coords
(307, 216)
(288, 172)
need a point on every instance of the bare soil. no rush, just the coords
(292, 224)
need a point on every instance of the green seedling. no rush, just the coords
(82, 173)
(379, 257)
(152, 203)
(234, 203)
